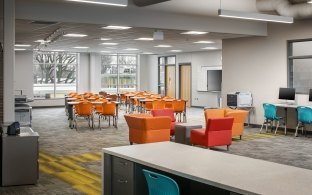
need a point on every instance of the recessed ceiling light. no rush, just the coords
(163, 46)
(22, 45)
(74, 35)
(144, 39)
(131, 49)
(19, 49)
(105, 39)
(194, 33)
(175, 50)
(147, 53)
(36, 49)
(210, 48)
(122, 3)
(106, 51)
(204, 42)
(58, 50)
(117, 27)
(310, 1)
(42, 41)
(110, 47)
(81, 47)
(109, 43)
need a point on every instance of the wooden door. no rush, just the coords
(185, 83)
(170, 81)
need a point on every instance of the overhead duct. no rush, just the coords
(298, 9)
(142, 3)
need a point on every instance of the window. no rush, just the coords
(118, 72)
(300, 65)
(54, 74)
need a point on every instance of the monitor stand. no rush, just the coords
(289, 102)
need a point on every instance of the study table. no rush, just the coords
(198, 171)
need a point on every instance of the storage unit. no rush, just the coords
(19, 158)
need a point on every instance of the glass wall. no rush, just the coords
(54, 74)
(119, 73)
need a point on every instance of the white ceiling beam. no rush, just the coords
(132, 16)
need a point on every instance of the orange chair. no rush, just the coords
(109, 110)
(144, 128)
(179, 108)
(158, 104)
(113, 97)
(238, 115)
(99, 107)
(85, 110)
(148, 106)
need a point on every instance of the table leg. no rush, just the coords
(70, 116)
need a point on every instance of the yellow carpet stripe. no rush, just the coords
(87, 190)
(70, 164)
(90, 175)
(77, 159)
(91, 157)
(59, 167)
(47, 157)
(45, 168)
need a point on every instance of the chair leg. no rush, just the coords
(240, 137)
(131, 143)
(277, 125)
(296, 133)
(99, 121)
(228, 147)
(261, 127)
(109, 121)
(266, 127)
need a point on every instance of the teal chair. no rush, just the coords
(304, 117)
(159, 184)
(270, 117)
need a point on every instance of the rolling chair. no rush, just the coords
(160, 185)
(304, 117)
(270, 117)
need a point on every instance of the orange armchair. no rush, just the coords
(144, 128)
(238, 115)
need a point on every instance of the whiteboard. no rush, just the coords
(202, 76)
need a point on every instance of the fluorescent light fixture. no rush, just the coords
(42, 41)
(204, 42)
(105, 39)
(81, 47)
(19, 49)
(175, 50)
(194, 33)
(310, 1)
(58, 50)
(121, 3)
(131, 49)
(110, 47)
(36, 49)
(106, 51)
(22, 45)
(144, 39)
(117, 27)
(255, 16)
(74, 35)
(163, 46)
(209, 48)
(147, 53)
(109, 43)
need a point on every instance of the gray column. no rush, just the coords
(9, 60)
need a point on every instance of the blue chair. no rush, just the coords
(160, 185)
(270, 117)
(304, 117)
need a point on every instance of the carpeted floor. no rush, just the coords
(70, 160)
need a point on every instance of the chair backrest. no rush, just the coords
(214, 113)
(219, 124)
(160, 184)
(304, 114)
(109, 108)
(99, 107)
(164, 112)
(159, 104)
(84, 108)
(113, 96)
(178, 105)
(269, 111)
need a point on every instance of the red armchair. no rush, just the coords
(169, 113)
(218, 132)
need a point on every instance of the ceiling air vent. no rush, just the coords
(43, 22)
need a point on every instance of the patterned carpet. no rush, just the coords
(70, 160)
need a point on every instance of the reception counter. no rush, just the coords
(199, 171)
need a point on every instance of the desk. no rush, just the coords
(286, 108)
(199, 171)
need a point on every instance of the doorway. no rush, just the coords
(185, 83)
(170, 84)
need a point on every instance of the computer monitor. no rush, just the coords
(287, 94)
(310, 95)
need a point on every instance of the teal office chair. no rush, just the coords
(160, 185)
(304, 117)
(270, 117)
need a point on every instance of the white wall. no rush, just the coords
(23, 76)
(83, 73)
(148, 73)
(259, 64)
